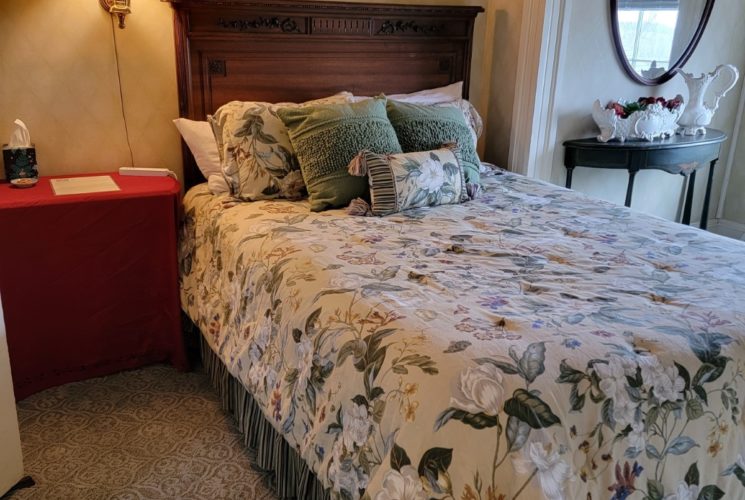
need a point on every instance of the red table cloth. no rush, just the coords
(89, 282)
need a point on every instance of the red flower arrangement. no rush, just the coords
(626, 109)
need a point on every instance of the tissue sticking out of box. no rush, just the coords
(19, 138)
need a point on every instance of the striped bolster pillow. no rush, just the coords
(409, 180)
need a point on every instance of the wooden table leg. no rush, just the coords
(570, 171)
(689, 199)
(630, 187)
(707, 197)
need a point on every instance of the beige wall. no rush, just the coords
(504, 21)
(57, 73)
(590, 70)
(734, 207)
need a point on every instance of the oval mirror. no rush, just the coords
(654, 38)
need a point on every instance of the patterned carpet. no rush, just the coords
(152, 433)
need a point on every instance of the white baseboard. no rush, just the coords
(725, 228)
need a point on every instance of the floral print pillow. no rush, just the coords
(409, 180)
(256, 155)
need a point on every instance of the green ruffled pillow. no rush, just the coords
(424, 128)
(327, 137)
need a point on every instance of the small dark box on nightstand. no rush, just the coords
(20, 163)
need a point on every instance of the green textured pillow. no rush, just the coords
(424, 128)
(327, 137)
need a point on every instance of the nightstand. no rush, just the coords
(89, 282)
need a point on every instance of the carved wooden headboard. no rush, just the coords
(285, 50)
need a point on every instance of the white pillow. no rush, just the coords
(217, 184)
(201, 141)
(449, 93)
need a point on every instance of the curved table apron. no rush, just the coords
(679, 154)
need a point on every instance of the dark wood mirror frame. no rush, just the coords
(674, 67)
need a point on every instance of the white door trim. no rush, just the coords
(731, 154)
(540, 59)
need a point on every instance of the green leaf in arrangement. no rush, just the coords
(475, 420)
(530, 409)
(692, 476)
(399, 458)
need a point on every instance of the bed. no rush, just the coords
(533, 343)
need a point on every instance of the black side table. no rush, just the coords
(679, 154)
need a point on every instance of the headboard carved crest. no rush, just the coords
(291, 50)
(285, 25)
(399, 26)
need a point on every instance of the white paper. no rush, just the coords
(82, 185)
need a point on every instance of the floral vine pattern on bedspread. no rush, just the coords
(530, 344)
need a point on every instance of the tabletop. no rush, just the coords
(42, 193)
(712, 136)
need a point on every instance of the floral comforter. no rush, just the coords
(531, 344)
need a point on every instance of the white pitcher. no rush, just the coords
(698, 114)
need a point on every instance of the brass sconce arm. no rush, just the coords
(120, 8)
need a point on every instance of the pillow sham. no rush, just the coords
(409, 180)
(327, 137)
(423, 128)
(257, 157)
(201, 142)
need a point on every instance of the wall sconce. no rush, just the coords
(120, 8)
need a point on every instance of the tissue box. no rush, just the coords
(20, 163)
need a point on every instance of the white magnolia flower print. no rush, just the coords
(260, 343)
(480, 390)
(613, 383)
(404, 485)
(357, 425)
(552, 471)
(257, 373)
(304, 351)
(684, 492)
(637, 436)
(432, 177)
(343, 474)
(664, 381)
